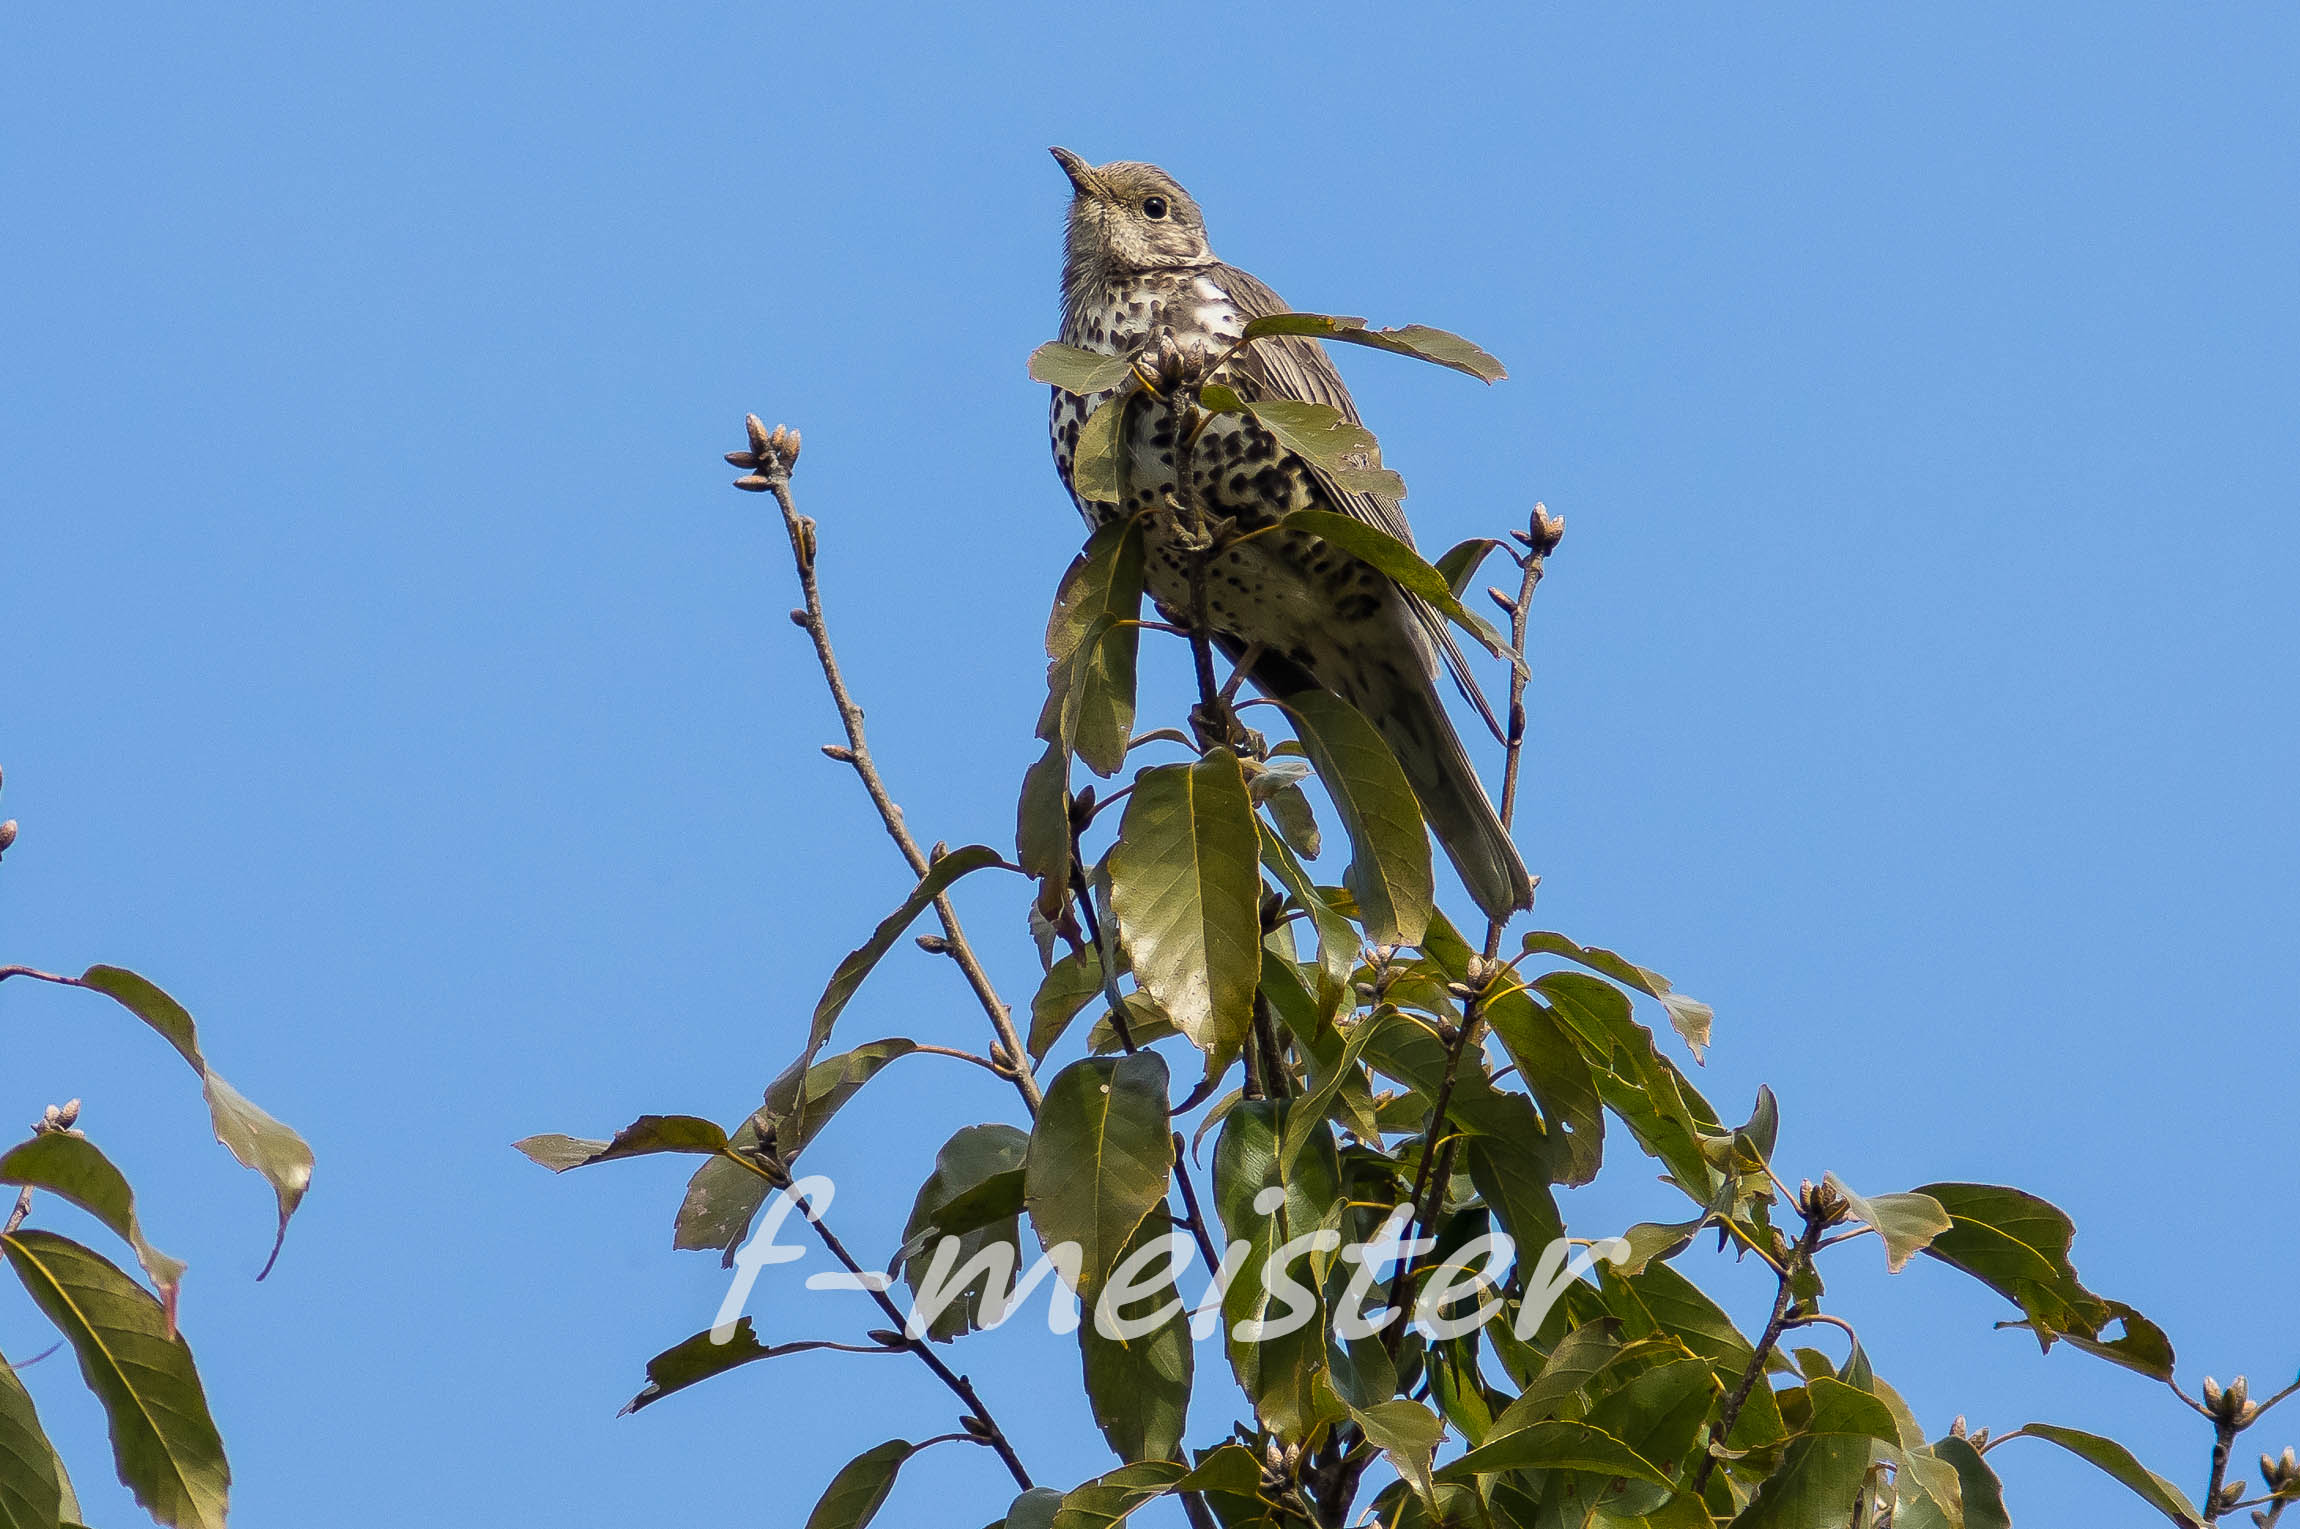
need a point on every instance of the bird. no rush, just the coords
(1138, 277)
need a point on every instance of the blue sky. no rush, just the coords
(390, 673)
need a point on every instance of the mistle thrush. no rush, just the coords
(1138, 270)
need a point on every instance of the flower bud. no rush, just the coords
(2212, 1394)
(7, 835)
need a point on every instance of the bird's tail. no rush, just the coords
(1413, 723)
(1415, 726)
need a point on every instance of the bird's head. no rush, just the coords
(1127, 217)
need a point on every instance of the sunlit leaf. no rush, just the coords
(1389, 871)
(1070, 984)
(31, 1486)
(1092, 641)
(1094, 464)
(1460, 562)
(860, 1488)
(2017, 1245)
(694, 1360)
(723, 1196)
(1329, 440)
(1906, 1222)
(1076, 371)
(1101, 1153)
(1337, 940)
(1279, 1372)
(1408, 1434)
(1402, 564)
(1417, 340)
(2120, 1464)
(70, 1166)
(1557, 1074)
(859, 962)
(1138, 1387)
(1186, 885)
(254, 1137)
(1560, 1444)
(647, 1135)
(164, 1443)
(981, 1163)
(1691, 1018)
(1110, 1497)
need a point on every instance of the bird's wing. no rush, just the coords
(1291, 366)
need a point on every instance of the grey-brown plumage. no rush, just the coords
(1137, 267)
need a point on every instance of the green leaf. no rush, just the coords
(723, 1196)
(1558, 1076)
(1109, 1498)
(860, 1488)
(1279, 1372)
(1094, 463)
(1461, 561)
(1814, 1487)
(2143, 1347)
(1658, 1413)
(2017, 1245)
(31, 1481)
(1092, 641)
(1928, 1492)
(1338, 942)
(1840, 1408)
(859, 962)
(255, 1138)
(1042, 844)
(1077, 371)
(1408, 1433)
(1636, 1082)
(70, 1166)
(2119, 1462)
(1417, 340)
(1186, 886)
(1981, 1494)
(1101, 1154)
(164, 1443)
(1033, 1509)
(1329, 440)
(1304, 1122)
(1690, 1017)
(644, 1137)
(1907, 1223)
(1402, 564)
(694, 1360)
(1389, 872)
(1139, 1387)
(1559, 1444)
(975, 1195)
(1069, 986)
(1577, 1359)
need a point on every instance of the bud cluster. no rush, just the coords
(772, 455)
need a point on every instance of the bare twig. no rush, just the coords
(1817, 1221)
(769, 462)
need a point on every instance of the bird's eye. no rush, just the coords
(1153, 207)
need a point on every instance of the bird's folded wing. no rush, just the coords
(1292, 367)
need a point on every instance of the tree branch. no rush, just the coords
(769, 463)
(981, 1424)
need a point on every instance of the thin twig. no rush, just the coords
(771, 473)
(1784, 1296)
(959, 1385)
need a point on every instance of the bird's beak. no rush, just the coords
(1080, 172)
